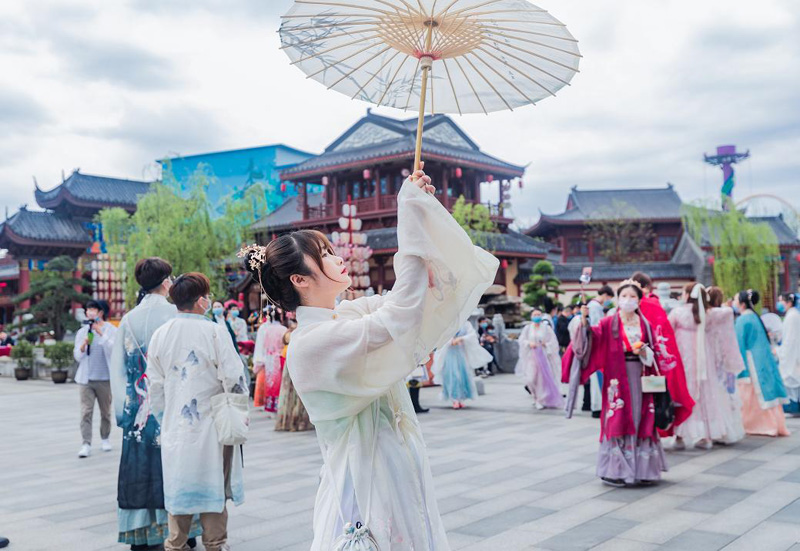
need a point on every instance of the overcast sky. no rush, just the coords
(111, 86)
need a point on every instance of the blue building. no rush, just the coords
(232, 174)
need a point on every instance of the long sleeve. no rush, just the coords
(229, 364)
(117, 370)
(440, 276)
(550, 342)
(589, 347)
(155, 374)
(789, 351)
(80, 336)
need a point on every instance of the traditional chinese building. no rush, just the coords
(64, 228)
(366, 166)
(673, 256)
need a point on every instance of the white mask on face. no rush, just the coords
(628, 304)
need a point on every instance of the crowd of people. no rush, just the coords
(703, 371)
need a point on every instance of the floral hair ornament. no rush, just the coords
(258, 257)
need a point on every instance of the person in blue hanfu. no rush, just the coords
(760, 385)
(141, 515)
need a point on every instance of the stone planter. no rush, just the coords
(59, 376)
(22, 373)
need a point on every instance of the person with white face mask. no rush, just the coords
(622, 347)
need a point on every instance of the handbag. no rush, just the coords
(662, 401)
(231, 413)
(357, 537)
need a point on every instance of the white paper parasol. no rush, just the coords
(482, 55)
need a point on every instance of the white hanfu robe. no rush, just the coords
(789, 355)
(190, 360)
(347, 361)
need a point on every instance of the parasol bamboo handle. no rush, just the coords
(422, 93)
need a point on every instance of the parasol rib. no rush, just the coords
(332, 65)
(344, 45)
(341, 5)
(489, 82)
(452, 86)
(546, 46)
(525, 31)
(498, 73)
(359, 67)
(534, 54)
(394, 76)
(475, 7)
(466, 77)
(536, 82)
(529, 64)
(331, 36)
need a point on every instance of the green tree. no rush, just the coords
(476, 220)
(174, 222)
(52, 292)
(619, 236)
(745, 253)
(541, 283)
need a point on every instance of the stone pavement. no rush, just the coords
(507, 477)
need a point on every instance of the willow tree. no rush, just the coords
(476, 220)
(175, 223)
(745, 252)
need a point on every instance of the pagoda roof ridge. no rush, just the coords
(93, 191)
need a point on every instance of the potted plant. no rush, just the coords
(60, 355)
(22, 352)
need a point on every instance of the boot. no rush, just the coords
(414, 392)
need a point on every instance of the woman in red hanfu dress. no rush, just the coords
(622, 347)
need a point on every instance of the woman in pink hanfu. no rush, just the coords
(707, 342)
(539, 363)
(267, 365)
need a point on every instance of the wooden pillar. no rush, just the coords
(445, 185)
(304, 193)
(335, 204)
(563, 249)
(24, 282)
(381, 263)
(377, 179)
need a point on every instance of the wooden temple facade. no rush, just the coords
(366, 166)
(65, 228)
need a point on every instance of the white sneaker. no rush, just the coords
(105, 445)
(539, 406)
(86, 451)
(704, 444)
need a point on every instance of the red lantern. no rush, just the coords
(797, 257)
(367, 174)
(711, 259)
(504, 264)
(458, 172)
(283, 187)
(490, 178)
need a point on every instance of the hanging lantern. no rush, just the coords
(504, 264)
(405, 172)
(324, 180)
(711, 259)
(283, 187)
(797, 257)
(367, 174)
(459, 172)
(489, 178)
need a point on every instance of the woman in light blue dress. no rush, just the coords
(140, 489)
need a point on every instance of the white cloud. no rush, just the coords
(111, 86)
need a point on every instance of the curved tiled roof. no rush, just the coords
(45, 227)
(510, 242)
(93, 190)
(402, 146)
(287, 214)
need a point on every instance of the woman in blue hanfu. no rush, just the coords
(760, 384)
(349, 363)
(140, 494)
(455, 363)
